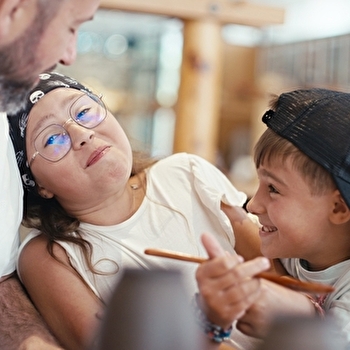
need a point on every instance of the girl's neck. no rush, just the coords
(118, 207)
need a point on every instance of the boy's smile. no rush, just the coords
(294, 221)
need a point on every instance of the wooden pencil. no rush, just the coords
(286, 281)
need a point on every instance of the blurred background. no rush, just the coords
(199, 81)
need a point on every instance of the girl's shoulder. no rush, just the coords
(34, 250)
(184, 161)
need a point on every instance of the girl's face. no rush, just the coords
(294, 222)
(99, 160)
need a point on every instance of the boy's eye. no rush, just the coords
(272, 189)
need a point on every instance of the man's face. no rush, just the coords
(50, 39)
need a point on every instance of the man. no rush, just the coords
(35, 35)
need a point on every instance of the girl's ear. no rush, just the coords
(16, 16)
(43, 192)
(340, 211)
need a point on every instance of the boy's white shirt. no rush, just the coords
(11, 201)
(337, 303)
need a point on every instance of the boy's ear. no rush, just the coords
(340, 211)
(16, 16)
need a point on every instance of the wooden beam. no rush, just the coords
(198, 106)
(224, 11)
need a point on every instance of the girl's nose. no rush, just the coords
(79, 135)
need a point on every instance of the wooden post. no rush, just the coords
(197, 111)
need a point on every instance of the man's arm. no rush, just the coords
(21, 326)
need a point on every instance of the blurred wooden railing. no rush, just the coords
(197, 112)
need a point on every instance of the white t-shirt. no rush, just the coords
(337, 303)
(182, 201)
(11, 201)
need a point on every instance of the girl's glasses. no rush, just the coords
(54, 142)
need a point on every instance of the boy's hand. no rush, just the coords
(225, 284)
(273, 301)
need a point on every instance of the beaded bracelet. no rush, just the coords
(213, 331)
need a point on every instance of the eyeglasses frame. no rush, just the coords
(99, 97)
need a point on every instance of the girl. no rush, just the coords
(97, 207)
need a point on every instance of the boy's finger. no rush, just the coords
(212, 246)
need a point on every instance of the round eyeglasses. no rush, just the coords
(54, 142)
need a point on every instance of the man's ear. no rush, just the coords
(16, 16)
(340, 213)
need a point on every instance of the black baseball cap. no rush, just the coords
(317, 122)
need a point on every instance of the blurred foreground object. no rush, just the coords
(149, 310)
(302, 333)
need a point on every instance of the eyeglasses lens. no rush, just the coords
(88, 111)
(54, 142)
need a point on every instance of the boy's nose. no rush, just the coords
(253, 207)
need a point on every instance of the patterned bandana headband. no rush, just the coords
(18, 122)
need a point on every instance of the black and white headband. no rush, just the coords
(18, 122)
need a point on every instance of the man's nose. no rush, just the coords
(70, 53)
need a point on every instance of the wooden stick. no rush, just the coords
(285, 281)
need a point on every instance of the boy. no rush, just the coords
(302, 202)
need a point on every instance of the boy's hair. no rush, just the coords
(274, 149)
(317, 123)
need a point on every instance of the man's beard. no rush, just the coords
(13, 94)
(18, 62)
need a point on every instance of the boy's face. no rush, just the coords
(294, 221)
